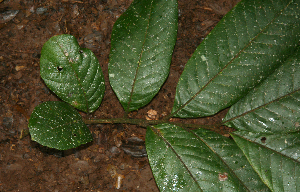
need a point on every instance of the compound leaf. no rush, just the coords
(72, 73)
(245, 47)
(142, 43)
(58, 125)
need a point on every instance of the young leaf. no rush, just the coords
(142, 43)
(246, 46)
(72, 73)
(198, 161)
(57, 125)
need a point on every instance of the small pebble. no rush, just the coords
(115, 150)
(26, 156)
(8, 15)
(41, 10)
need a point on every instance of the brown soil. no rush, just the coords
(28, 166)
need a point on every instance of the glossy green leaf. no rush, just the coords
(270, 114)
(267, 120)
(58, 125)
(142, 43)
(198, 161)
(274, 105)
(246, 46)
(278, 172)
(72, 73)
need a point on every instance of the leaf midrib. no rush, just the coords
(266, 147)
(139, 63)
(235, 57)
(221, 159)
(262, 106)
(76, 75)
(156, 131)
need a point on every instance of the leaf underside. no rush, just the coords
(142, 43)
(246, 46)
(58, 125)
(72, 73)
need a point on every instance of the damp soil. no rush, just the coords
(118, 151)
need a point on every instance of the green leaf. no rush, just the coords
(198, 161)
(57, 125)
(142, 43)
(246, 46)
(270, 114)
(72, 73)
(266, 115)
(273, 106)
(280, 173)
(267, 120)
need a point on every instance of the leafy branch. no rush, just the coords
(249, 63)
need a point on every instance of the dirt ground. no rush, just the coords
(117, 150)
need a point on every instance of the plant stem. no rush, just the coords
(139, 122)
(146, 123)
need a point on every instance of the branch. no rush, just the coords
(146, 123)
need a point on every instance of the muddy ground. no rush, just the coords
(28, 166)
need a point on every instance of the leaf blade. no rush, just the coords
(57, 125)
(272, 118)
(233, 157)
(199, 159)
(276, 103)
(143, 40)
(267, 123)
(246, 51)
(280, 173)
(72, 73)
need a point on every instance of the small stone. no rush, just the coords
(26, 156)
(115, 150)
(41, 10)
(20, 67)
(7, 122)
(8, 15)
